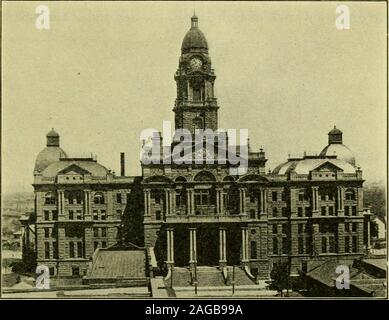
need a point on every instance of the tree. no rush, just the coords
(131, 229)
(280, 276)
(375, 196)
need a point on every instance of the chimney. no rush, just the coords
(122, 166)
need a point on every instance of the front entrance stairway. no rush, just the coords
(208, 277)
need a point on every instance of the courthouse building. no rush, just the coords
(306, 209)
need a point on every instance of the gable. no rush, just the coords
(327, 167)
(73, 169)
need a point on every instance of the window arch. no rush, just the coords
(197, 123)
(50, 198)
(98, 198)
(350, 194)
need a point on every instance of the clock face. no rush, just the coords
(196, 64)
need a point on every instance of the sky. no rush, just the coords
(104, 71)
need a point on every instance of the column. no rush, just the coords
(341, 242)
(221, 201)
(147, 193)
(315, 200)
(244, 245)
(368, 233)
(190, 201)
(170, 246)
(61, 202)
(192, 246)
(217, 201)
(263, 200)
(173, 201)
(340, 199)
(167, 202)
(242, 202)
(222, 247)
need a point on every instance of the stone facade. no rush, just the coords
(306, 209)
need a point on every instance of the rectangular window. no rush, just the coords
(283, 196)
(79, 215)
(354, 210)
(274, 196)
(103, 215)
(346, 210)
(47, 215)
(347, 244)
(300, 211)
(307, 211)
(285, 229)
(252, 214)
(331, 244)
(347, 227)
(55, 214)
(47, 233)
(284, 212)
(354, 244)
(300, 228)
(275, 246)
(52, 271)
(331, 210)
(71, 215)
(47, 250)
(55, 250)
(285, 245)
(253, 250)
(301, 245)
(103, 232)
(275, 229)
(301, 196)
(71, 249)
(158, 214)
(354, 227)
(323, 211)
(95, 217)
(274, 212)
(96, 232)
(119, 212)
(79, 250)
(324, 245)
(119, 198)
(75, 271)
(103, 244)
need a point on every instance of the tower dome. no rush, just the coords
(194, 38)
(336, 147)
(50, 154)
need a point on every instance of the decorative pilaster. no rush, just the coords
(190, 201)
(244, 245)
(340, 200)
(170, 246)
(315, 201)
(242, 200)
(192, 246)
(147, 199)
(222, 247)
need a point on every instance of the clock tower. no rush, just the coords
(195, 106)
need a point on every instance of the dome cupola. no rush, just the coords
(50, 154)
(336, 147)
(194, 39)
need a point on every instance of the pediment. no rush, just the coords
(73, 169)
(327, 167)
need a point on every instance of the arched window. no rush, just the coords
(98, 198)
(350, 194)
(197, 123)
(50, 198)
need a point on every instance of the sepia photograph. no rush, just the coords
(184, 150)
